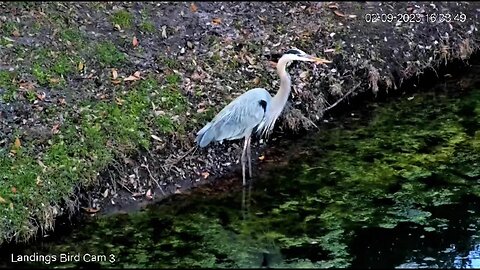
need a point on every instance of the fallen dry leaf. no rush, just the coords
(55, 128)
(261, 157)
(114, 74)
(105, 193)
(164, 31)
(134, 77)
(135, 42)
(80, 66)
(17, 143)
(201, 110)
(39, 181)
(193, 7)
(216, 21)
(16, 33)
(116, 81)
(14, 189)
(149, 194)
(333, 6)
(11, 206)
(27, 85)
(119, 101)
(54, 80)
(2, 200)
(41, 96)
(205, 175)
(339, 13)
(155, 137)
(91, 210)
(62, 101)
(197, 77)
(131, 78)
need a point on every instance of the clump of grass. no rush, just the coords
(8, 28)
(73, 36)
(50, 68)
(172, 79)
(6, 78)
(147, 26)
(40, 74)
(170, 96)
(165, 123)
(8, 86)
(63, 65)
(168, 62)
(109, 55)
(123, 18)
(31, 96)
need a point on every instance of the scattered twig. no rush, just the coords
(311, 122)
(314, 168)
(125, 187)
(342, 98)
(182, 157)
(114, 183)
(151, 177)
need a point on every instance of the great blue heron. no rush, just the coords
(253, 110)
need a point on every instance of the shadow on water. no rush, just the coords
(390, 185)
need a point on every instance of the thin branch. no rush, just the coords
(180, 158)
(153, 178)
(342, 98)
(125, 188)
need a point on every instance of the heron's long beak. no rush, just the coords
(318, 60)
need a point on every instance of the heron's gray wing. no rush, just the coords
(237, 119)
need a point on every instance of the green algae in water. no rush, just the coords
(387, 172)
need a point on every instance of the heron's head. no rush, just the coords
(295, 54)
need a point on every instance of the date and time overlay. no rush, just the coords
(399, 18)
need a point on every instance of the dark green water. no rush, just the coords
(398, 186)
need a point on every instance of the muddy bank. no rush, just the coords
(129, 137)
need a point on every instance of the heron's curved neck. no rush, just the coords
(280, 99)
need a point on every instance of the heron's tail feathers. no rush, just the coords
(205, 135)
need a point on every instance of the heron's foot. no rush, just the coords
(247, 181)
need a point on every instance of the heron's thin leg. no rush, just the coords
(249, 157)
(243, 202)
(249, 195)
(244, 153)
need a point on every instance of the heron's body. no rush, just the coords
(253, 110)
(238, 119)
